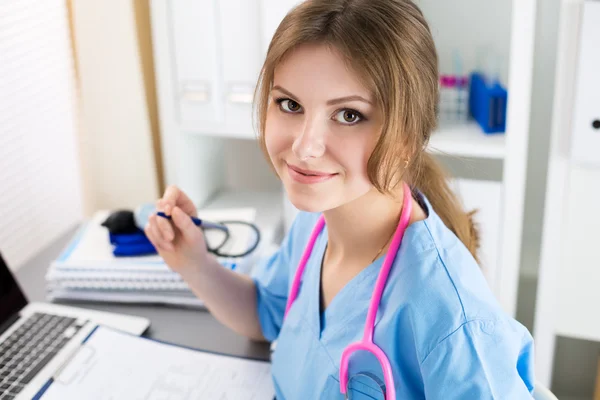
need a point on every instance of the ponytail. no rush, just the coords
(431, 179)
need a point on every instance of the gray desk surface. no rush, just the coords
(187, 327)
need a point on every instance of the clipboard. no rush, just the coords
(116, 365)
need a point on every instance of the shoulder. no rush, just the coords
(437, 285)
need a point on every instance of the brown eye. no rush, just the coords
(293, 106)
(290, 106)
(348, 117)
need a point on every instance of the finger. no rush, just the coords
(154, 229)
(153, 233)
(152, 237)
(165, 227)
(175, 197)
(184, 223)
(169, 199)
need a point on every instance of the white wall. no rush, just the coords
(117, 144)
(39, 167)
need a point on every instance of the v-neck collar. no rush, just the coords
(358, 302)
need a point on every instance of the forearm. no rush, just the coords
(229, 296)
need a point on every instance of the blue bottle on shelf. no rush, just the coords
(487, 104)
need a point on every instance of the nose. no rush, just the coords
(310, 143)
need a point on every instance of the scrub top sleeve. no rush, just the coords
(271, 277)
(481, 360)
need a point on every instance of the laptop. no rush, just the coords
(37, 339)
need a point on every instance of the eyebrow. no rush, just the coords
(329, 102)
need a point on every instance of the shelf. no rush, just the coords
(467, 140)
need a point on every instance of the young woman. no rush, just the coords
(382, 253)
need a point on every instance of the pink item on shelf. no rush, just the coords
(462, 81)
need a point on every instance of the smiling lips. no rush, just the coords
(308, 177)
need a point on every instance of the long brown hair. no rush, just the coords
(389, 45)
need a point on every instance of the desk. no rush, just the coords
(186, 327)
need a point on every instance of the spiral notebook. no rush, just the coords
(88, 270)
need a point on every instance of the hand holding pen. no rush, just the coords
(175, 235)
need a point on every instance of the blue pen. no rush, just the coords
(199, 222)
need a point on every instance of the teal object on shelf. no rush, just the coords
(487, 104)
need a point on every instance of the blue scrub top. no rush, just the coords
(439, 324)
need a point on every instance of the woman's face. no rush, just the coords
(322, 125)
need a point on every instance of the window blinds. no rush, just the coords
(40, 189)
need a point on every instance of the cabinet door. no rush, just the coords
(578, 275)
(586, 116)
(196, 63)
(239, 32)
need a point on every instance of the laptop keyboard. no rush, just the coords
(29, 348)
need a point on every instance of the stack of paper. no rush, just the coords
(88, 270)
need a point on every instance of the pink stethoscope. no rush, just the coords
(366, 344)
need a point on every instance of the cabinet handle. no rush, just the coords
(241, 94)
(195, 92)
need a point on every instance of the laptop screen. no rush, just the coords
(12, 298)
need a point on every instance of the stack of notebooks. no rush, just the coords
(88, 270)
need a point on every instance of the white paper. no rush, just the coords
(114, 366)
